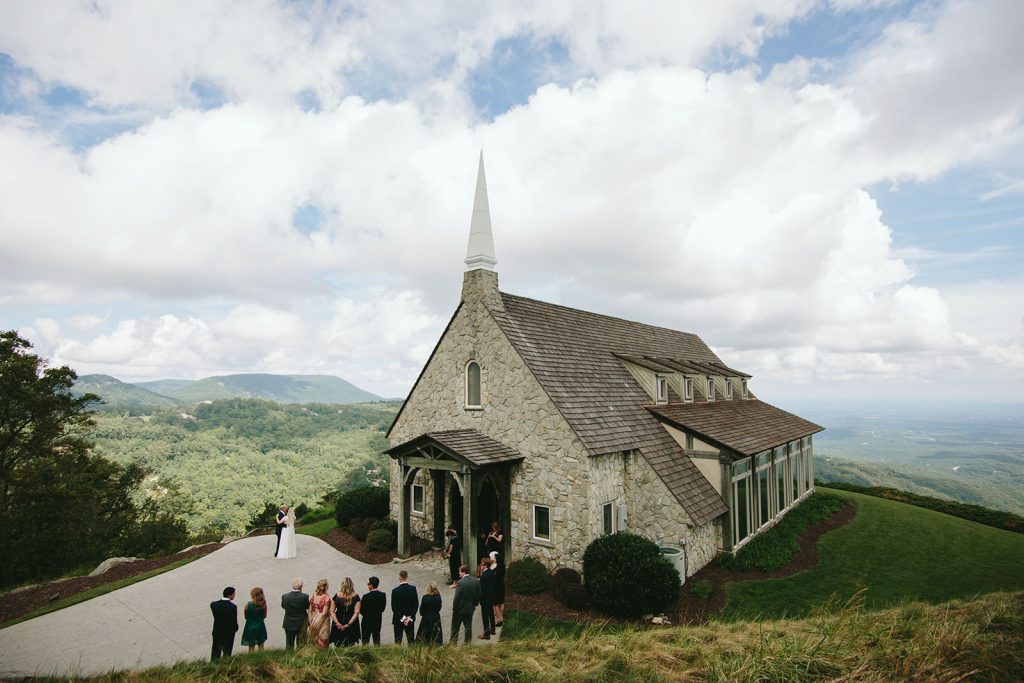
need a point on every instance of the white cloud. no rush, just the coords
(713, 202)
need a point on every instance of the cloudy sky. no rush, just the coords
(829, 192)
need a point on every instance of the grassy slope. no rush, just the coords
(982, 640)
(897, 552)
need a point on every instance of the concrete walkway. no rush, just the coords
(166, 619)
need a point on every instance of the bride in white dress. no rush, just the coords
(287, 549)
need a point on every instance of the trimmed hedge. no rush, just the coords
(526, 576)
(379, 540)
(974, 513)
(388, 524)
(775, 547)
(360, 528)
(561, 579)
(368, 501)
(627, 576)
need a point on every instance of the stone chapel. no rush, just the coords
(563, 425)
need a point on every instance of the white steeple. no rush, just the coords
(480, 250)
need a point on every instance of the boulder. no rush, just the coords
(110, 563)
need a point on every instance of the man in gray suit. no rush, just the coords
(295, 604)
(467, 595)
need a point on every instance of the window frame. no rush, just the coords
(743, 388)
(746, 477)
(533, 524)
(412, 499)
(661, 389)
(710, 388)
(728, 389)
(479, 385)
(608, 519)
(687, 389)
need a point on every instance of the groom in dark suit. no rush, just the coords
(282, 514)
(225, 624)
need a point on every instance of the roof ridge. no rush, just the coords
(596, 315)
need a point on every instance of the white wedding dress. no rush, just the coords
(287, 549)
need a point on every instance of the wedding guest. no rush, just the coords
(373, 603)
(320, 615)
(487, 579)
(495, 541)
(225, 624)
(295, 605)
(467, 595)
(499, 589)
(255, 632)
(404, 603)
(429, 632)
(345, 627)
(454, 554)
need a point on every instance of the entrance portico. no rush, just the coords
(480, 472)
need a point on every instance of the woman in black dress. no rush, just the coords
(345, 625)
(499, 588)
(429, 632)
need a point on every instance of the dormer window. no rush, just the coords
(728, 389)
(711, 388)
(472, 384)
(662, 383)
(687, 389)
(743, 388)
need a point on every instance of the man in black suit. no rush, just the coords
(488, 582)
(404, 603)
(225, 624)
(467, 595)
(282, 517)
(295, 604)
(372, 611)
(454, 554)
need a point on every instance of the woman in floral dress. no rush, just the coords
(321, 612)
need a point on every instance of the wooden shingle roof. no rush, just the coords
(572, 354)
(470, 444)
(746, 427)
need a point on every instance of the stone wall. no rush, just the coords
(515, 411)
(656, 514)
(607, 485)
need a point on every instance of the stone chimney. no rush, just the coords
(481, 279)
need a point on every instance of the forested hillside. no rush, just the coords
(230, 458)
(280, 388)
(120, 395)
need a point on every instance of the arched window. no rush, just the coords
(472, 384)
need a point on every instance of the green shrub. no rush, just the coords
(561, 579)
(773, 548)
(703, 590)
(301, 510)
(379, 540)
(575, 596)
(526, 576)
(627, 576)
(388, 524)
(368, 501)
(360, 528)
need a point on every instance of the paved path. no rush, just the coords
(166, 619)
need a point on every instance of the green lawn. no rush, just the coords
(318, 529)
(897, 552)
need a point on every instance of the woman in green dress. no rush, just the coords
(255, 632)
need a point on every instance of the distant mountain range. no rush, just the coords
(172, 392)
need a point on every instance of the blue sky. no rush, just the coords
(831, 193)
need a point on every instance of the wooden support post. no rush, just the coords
(469, 520)
(403, 513)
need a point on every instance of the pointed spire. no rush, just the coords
(480, 250)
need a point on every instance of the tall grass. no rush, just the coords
(980, 640)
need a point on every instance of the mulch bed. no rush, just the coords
(345, 542)
(20, 602)
(692, 609)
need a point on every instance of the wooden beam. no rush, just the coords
(431, 464)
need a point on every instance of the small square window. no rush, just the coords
(662, 389)
(417, 498)
(608, 520)
(542, 522)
